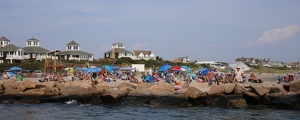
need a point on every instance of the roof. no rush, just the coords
(180, 58)
(32, 39)
(75, 53)
(243, 59)
(120, 50)
(9, 47)
(35, 49)
(4, 39)
(72, 43)
(117, 43)
(145, 52)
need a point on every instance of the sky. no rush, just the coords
(208, 30)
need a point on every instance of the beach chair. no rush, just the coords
(147, 78)
(152, 79)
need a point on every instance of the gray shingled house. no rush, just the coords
(73, 53)
(10, 53)
(33, 51)
(118, 49)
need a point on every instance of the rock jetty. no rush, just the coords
(161, 94)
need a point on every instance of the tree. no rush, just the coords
(159, 58)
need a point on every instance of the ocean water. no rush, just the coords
(77, 111)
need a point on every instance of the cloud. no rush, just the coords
(139, 45)
(277, 35)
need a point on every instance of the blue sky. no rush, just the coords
(216, 30)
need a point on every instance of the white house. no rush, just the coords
(143, 54)
(118, 51)
(211, 63)
(10, 53)
(181, 59)
(73, 52)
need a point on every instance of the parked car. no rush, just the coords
(38, 73)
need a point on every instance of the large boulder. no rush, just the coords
(259, 88)
(228, 88)
(277, 88)
(11, 83)
(12, 91)
(112, 95)
(295, 86)
(289, 101)
(237, 101)
(222, 101)
(193, 92)
(34, 92)
(215, 90)
(101, 88)
(238, 89)
(143, 86)
(201, 86)
(166, 86)
(26, 85)
(127, 85)
(75, 90)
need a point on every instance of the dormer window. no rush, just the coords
(29, 43)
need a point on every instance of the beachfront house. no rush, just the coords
(143, 55)
(118, 51)
(295, 64)
(185, 59)
(250, 61)
(33, 51)
(73, 52)
(10, 53)
(220, 65)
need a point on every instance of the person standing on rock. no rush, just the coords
(211, 78)
(238, 75)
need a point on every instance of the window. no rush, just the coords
(1, 43)
(125, 54)
(29, 42)
(1, 61)
(1, 54)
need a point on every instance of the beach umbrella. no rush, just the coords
(92, 70)
(79, 68)
(108, 68)
(175, 68)
(15, 68)
(164, 68)
(182, 69)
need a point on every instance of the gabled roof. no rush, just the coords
(243, 59)
(33, 39)
(35, 49)
(9, 47)
(75, 53)
(72, 43)
(145, 52)
(117, 43)
(4, 39)
(120, 50)
(180, 58)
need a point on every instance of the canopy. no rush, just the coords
(164, 68)
(79, 68)
(128, 68)
(204, 71)
(92, 70)
(108, 68)
(176, 68)
(15, 68)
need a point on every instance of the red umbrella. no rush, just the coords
(175, 68)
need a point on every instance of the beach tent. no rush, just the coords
(79, 69)
(164, 68)
(204, 71)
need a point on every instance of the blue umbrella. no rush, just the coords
(109, 68)
(15, 68)
(92, 70)
(164, 68)
(79, 68)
